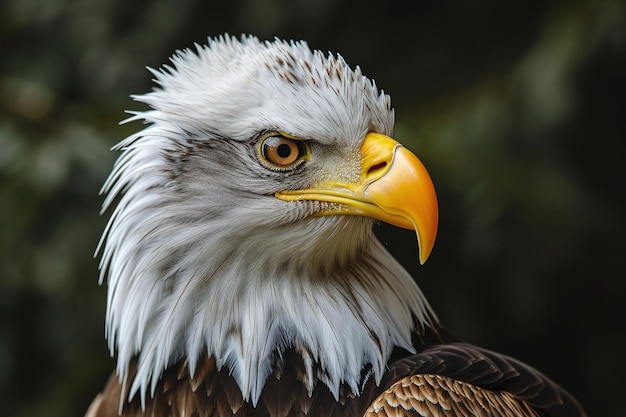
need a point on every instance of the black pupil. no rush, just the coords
(283, 150)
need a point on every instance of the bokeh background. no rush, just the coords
(516, 107)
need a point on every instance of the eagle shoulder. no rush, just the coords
(459, 379)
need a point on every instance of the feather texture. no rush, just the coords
(447, 378)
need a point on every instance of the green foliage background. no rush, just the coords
(516, 107)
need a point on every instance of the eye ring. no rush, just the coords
(281, 152)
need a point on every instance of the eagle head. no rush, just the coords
(243, 220)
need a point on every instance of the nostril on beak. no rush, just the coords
(375, 169)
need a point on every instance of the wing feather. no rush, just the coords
(440, 396)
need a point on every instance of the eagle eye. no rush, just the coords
(281, 152)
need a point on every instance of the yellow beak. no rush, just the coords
(393, 187)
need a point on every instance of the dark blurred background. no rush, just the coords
(516, 107)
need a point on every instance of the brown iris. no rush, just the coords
(282, 152)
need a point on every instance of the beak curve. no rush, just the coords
(393, 187)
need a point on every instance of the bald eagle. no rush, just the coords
(244, 278)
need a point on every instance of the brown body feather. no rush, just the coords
(445, 378)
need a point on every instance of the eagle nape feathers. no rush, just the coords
(243, 275)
